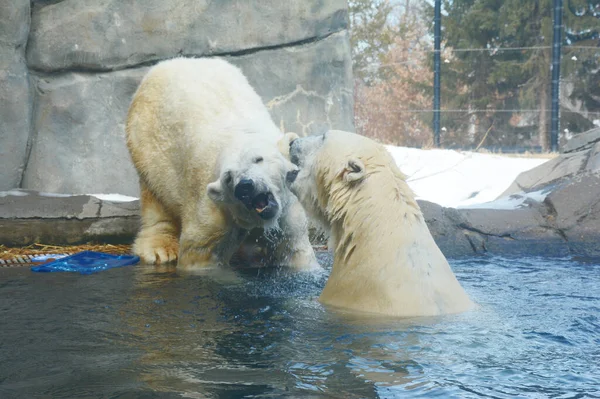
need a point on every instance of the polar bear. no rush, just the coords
(210, 169)
(385, 259)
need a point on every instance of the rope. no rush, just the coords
(27, 260)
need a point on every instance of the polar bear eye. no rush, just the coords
(258, 159)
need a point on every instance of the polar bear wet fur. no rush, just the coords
(206, 152)
(385, 259)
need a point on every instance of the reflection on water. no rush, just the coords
(153, 332)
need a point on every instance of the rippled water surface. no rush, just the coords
(139, 332)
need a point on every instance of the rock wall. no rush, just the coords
(16, 96)
(68, 93)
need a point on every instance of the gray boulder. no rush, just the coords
(552, 171)
(571, 207)
(518, 232)
(15, 91)
(580, 154)
(28, 217)
(447, 226)
(113, 34)
(515, 232)
(574, 211)
(582, 141)
(593, 161)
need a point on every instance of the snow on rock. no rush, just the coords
(514, 201)
(14, 193)
(114, 197)
(461, 179)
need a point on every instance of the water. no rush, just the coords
(141, 332)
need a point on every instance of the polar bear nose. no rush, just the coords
(244, 189)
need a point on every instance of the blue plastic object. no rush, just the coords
(45, 258)
(87, 262)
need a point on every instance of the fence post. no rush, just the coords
(556, 52)
(437, 20)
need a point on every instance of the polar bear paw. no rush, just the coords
(156, 249)
(303, 261)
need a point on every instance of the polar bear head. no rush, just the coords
(252, 184)
(332, 169)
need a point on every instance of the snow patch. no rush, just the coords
(55, 195)
(114, 197)
(514, 201)
(102, 197)
(459, 178)
(14, 193)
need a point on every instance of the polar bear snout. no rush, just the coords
(303, 149)
(294, 152)
(262, 202)
(244, 189)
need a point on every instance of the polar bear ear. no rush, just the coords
(214, 191)
(355, 170)
(283, 145)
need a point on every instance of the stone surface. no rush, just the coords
(112, 34)
(582, 141)
(561, 167)
(445, 227)
(575, 212)
(15, 91)
(15, 17)
(86, 57)
(515, 232)
(307, 88)
(28, 204)
(593, 162)
(79, 145)
(550, 229)
(28, 217)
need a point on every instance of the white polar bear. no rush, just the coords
(205, 149)
(385, 259)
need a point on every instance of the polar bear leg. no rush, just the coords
(207, 238)
(157, 240)
(294, 249)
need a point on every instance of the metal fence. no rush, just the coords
(414, 105)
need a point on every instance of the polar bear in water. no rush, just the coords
(206, 151)
(385, 259)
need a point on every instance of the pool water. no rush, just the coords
(143, 332)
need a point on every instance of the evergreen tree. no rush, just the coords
(581, 67)
(497, 79)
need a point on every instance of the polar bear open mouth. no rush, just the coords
(265, 205)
